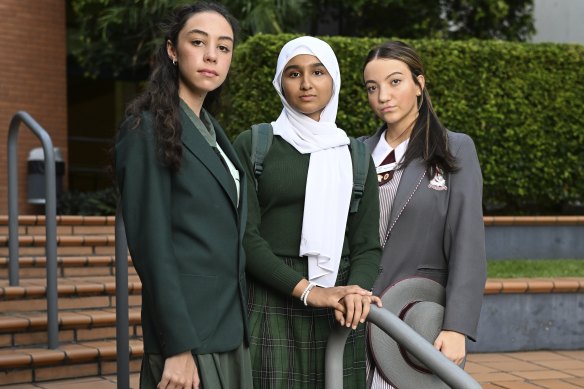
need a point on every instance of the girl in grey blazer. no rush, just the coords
(430, 186)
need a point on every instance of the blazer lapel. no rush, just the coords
(198, 146)
(409, 180)
(408, 183)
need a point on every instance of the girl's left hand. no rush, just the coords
(452, 344)
(356, 309)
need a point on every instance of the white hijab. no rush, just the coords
(330, 174)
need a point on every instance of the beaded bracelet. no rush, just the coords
(304, 295)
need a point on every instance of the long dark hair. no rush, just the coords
(429, 138)
(161, 96)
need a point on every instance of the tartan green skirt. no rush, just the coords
(288, 339)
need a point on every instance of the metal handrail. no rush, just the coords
(122, 306)
(50, 217)
(449, 372)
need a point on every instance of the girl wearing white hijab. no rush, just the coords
(309, 261)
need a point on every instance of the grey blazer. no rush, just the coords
(439, 234)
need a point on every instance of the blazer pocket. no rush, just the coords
(200, 293)
(439, 275)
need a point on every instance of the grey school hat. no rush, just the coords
(419, 302)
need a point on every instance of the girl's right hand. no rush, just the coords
(331, 297)
(180, 371)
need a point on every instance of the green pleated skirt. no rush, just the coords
(226, 370)
(288, 339)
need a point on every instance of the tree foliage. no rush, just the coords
(116, 37)
(119, 36)
(267, 16)
(490, 19)
(417, 19)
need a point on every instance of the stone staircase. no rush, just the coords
(86, 289)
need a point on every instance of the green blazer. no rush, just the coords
(184, 233)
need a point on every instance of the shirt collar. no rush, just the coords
(382, 149)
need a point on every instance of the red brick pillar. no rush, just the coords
(33, 78)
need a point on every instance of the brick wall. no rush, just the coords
(33, 78)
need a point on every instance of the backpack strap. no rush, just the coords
(261, 140)
(360, 158)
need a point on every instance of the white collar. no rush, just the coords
(382, 149)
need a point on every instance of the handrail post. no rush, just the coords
(450, 373)
(13, 265)
(50, 217)
(122, 308)
(333, 372)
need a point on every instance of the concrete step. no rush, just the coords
(85, 246)
(68, 266)
(86, 310)
(62, 220)
(82, 359)
(67, 245)
(87, 329)
(76, 235)
(29, 329)
(74, 293)
(86, 289)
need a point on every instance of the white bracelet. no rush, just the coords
(304, 294)
(309, 286)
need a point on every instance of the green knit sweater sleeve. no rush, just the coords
(363, 235)
(261, 262)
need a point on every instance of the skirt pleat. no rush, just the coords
(288, 339)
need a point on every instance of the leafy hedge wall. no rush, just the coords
(523, 104)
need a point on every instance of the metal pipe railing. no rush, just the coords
(50, 217)
(122, 306)
(449, 372)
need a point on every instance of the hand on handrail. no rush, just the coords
(356, 309)
(332, 297)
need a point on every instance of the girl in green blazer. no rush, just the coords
(183, 199)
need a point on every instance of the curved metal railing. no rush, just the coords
(50, 217)
(450, 373)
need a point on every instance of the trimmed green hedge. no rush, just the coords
(523, 104)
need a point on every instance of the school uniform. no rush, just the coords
(288, 339)
(433, 227)
(184, 231)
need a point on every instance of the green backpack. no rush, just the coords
(261, 140)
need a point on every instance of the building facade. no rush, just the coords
(558, 21)
(33, 78)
